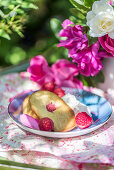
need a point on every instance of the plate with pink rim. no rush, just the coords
(100, 110)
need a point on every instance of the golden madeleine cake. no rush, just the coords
(48, 104)
(27, 109)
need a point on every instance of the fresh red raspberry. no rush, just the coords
(46, 124)
(83, 120)
(50, 107)
(59, 91)
(49, 86)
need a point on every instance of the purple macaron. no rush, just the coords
(29, 121)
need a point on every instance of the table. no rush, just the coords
(92, 150)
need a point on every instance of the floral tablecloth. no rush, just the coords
(65, 153)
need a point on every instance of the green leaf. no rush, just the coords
(77, 13)
(20, 11)
(92, 81)
(91, 40)
(81, 2)
(79, 10)
(99, 78)
(4, 34)
(88, 3)
(1, 13)
(19, 32)
(79, 5)
(33, 6)
(28, 5)
(4, 3)
(55, 25)
(83, 79)
(73, 19)
(78, 21)
(13, 15)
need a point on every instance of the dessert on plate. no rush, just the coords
(27, 109)
(48, 104)
(55, 113)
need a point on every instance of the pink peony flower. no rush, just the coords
(89, 61)
(40, 71)
(62, 73)
(65, 72)
(75, 39)
(107, 43)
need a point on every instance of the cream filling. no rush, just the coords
(75, 105)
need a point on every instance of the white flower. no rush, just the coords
(101, 19)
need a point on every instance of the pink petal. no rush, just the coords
(107, 43)
(64, 70)
(66, 23)
(109, 47)
(40, 71)
(105, 54)
(29, 121)
(95, 48)
(36, 70)
(38, 59)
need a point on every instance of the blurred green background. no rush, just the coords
(30, 27)
(38, 36)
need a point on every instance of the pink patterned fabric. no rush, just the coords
(67, 153)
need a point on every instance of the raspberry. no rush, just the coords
(51, 107)
(60, 92)
(83, 120)
(46, 124)
(49, 86)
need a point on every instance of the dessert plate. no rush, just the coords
(100, 109)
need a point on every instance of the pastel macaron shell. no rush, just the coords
(29, 121)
